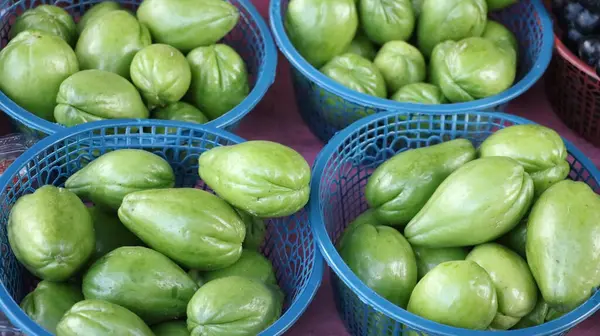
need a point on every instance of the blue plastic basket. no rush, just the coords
(251, 38)
(340, 174)
(289, 242)
(327, 106)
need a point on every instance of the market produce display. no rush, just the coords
(151, 259)
(489, 238)
(450, 45)
(114, 63)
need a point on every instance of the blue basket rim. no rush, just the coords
(299, 63)
(265, 79)
(369, 297)
(20, 320)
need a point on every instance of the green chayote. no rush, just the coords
(95, 12)
(256, 230)
(49, 19)
(536, 317)
(51, 233)
(429, 258)
(171, 328)
(516, 238)
(386, 20)
(499, 4)
(180, 111)
(356, 73)
(503, 322)
(499, 34)
(420, 93)
(263, 178)
(49, 301)
(110, 233)
(367, 217)
(400, 64)
(362, 46)
(251, 264)
(553, 314)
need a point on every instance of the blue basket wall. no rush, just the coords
(251, 38)
(327, 106)
(289, 243)
(340, 174)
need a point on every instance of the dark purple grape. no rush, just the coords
(573, 38)
(589, 50)
(591, 5)
(571, 11)
(558, 6)
(587, 22)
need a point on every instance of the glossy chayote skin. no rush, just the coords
(193, 227)
(187, 24)
(110, 42)
(401, 186)
(516, 239)
(321, 29)
(32, 67)
(539, 149)
(161, 73)
(362, 46)
(536, 317)
(219, 79)
(357, 73)
(420, 93)
(97, 317)
(110, 233)
(429, 258)
(456, 293)
(367, 217)
(49, 19)
(95, 12)
(449, 20)
(500, 35)
(477, 203)
(92, 95)
(562, 244)
(499, 4)
(141, 280)
(386, 20)
(171, 328)
(49, 301)
(400, 64)
(256, 230)
(251, 264)
(382, 259)
(107, 179)
(231, 306)
(51, 233)
(263, 178)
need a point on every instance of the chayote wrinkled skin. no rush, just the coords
(32, 66)
(540, 150)
(172, 328)
(562, 244)
(141, 280)
(456, 293)
(386, 20)
(401, 186)
(232, 306)
(477, 203)
(110, 233)
(51, 233)
(187, 24)
(449, 20)
(95, 12)
(362, 46)
(92, 95)
(97, 317)
(367, 217)
(49, 301)
(321, 29)
(263, 178)
(107, 179)
(536, 317)
(161, 73)
(110, 41)
(256, 230)
(499, 4)
(516, 238)
(356, 73)
(193, 227)
(251, 264)
(429, 258)
(499, 34)
(49, 19)
(219, 79)
(420, 93)
(400, 64)
(382, 258)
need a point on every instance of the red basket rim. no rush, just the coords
(566, 53)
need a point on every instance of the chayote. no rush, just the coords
(449, 20)
(107, 179)
(477, 203)
(256, 230)
(362, 46)
(97, 317)
(367, 217)
(51, 233)
(400, 64)
(420, 93)
(417, 5)
(49, 301)
(232, 306)
(401, 186)
(499, 4)
(171, 328)
(92, 95)
(540, 150)
(503, 322)
(553, 314)
(456, 293)
(321, 29)
(516, 238)
(263, 178)
(110, 41)
(219, 79)
(196, 275)
(49, 19)
(250, 264)
(536, 317)
(357, 73)
(110, 233)
(180, 111)
(562, 244)
(193, 227)
(95, 12)
(499, 34)
(382, 258)
(386, 20)
(187, 24)
(141, 280)
(429, 258)
(32, 66)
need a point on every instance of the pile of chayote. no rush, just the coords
(147, 258)
(162, 62)
(458, 55)
(494, 238)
